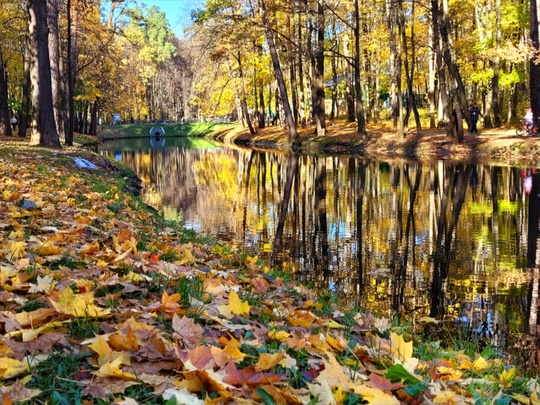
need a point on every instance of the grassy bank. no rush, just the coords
(123, 131)
(103, 300)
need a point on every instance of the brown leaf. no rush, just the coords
(201, 357)
(18, 393)
(124, 342)
(247, 375)
(187, 331)
(381, 383)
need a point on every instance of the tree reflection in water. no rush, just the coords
(449, 240)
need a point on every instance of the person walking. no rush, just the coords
(474, 113)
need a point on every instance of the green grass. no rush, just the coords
(197, 129)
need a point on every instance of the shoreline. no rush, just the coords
(501, 146)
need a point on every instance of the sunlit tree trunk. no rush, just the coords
(55, 58)
(360, 119)
(44, 133)
(432, 95)
(393, 74)
(301, 86)
(72, 17)
(245, 111)
(534, 64)
(409, 72)
(289, 119)
(317, 61)
(496, 64)
(441, 74)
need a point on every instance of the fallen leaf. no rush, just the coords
(400, 349)
(268, 360)
(10, 368)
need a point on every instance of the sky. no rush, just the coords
(178, 12)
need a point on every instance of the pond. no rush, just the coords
(452, 241)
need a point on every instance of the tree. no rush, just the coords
(5, 126)
(44, 130)
(535, 60)
(55, 59)
(289, 119)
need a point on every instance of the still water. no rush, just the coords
(448, 240)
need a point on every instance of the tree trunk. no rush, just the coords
(432, 95)
(534, 65)
(292, 70)
(409, 74)
(72, 17)
(360, 119)
(302, 106)
(25, 102)
(441, 75)
(392, 61)
(5, 125)
(44, 133)
(54, 52)
(93, 118)
(348, 84)
(317, 62)
(456, 84)
(245, 111)
(289, 119)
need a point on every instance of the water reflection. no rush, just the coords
(448, 240)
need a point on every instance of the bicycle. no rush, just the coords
(525, 129)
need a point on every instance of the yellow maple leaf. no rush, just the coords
(234, 307)
(507, 376)
(228, 353)
(79, 305)
(480, 364)
(334, 325)
(49, 248)
(338, 343)
(450, 372)
(17, 250)
(112, 368)
(102, 349)
(10, 368)
(302, 318)
(33, 318)
(375, 396)
(281, 335)
(449, 398)
(339, 395)
(400, 349)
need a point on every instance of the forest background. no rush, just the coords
(66, 64)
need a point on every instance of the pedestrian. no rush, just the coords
(528, 119)
(474, 113)
(14, 123)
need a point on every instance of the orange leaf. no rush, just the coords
(124, 342)
(170, 303)
(267, 360)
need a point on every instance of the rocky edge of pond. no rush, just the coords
(498, 146)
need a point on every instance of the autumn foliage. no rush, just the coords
(148, 313)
